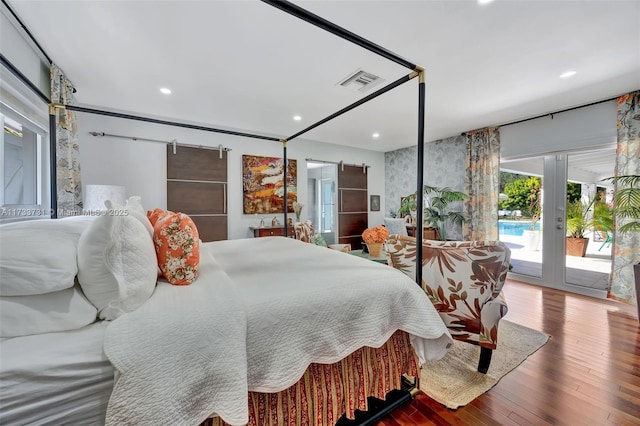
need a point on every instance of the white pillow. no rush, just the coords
(117, 266)
(39, 256)
(45, 313)
(134, 207)
(395, 225)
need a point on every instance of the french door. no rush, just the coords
(547, 263)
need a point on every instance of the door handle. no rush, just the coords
(224, 202)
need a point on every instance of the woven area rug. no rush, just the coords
(454, 380)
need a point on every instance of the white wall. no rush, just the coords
(591, 126)
(141, 166)
(22, 53)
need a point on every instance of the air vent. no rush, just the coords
(361, 81)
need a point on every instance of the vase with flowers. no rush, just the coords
(375, 237)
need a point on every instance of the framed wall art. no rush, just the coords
(374, 203)
(263, 184)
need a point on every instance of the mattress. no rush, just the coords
(59, 378)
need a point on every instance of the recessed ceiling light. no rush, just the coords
(165, 90)
(484, 1)
(297, 117)
(376, 135)
(568, 74)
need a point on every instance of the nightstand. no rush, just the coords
(271, 231)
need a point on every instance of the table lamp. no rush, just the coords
(96, 195)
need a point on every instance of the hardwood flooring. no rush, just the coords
(587, 374)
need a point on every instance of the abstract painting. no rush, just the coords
(263, 186)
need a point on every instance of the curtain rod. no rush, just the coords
(26, 30)
(551, 114)
(340, 163)
(173, 142)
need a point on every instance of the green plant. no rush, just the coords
(602, 220)
(407, 205)
(578, 221)
(524, 195)
(535, 206)
(626, 201)
(437, 211)
(436, 207)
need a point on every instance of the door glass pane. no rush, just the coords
(322, 211)
(520, 212)
(589, 220)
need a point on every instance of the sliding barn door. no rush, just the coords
(352, 204)
(197, 186)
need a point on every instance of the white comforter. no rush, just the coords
(278, 305)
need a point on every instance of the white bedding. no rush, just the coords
(278, 305)
(181, 355)
(324, 306)
(55, 378)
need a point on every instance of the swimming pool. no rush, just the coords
(510, 227)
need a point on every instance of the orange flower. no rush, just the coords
(378, 234)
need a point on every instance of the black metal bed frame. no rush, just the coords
(305, 15)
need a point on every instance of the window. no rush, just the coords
(22, 155)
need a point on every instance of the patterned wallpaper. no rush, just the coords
(444, 165)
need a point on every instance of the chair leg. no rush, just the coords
(485, 360)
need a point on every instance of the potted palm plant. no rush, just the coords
(437, 209)
(408, 204)
(578, 223)
(438, 212)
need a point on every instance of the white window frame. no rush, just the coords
(42, 208)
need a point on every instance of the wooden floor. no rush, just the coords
(587, 374)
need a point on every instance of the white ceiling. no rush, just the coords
(246, 65)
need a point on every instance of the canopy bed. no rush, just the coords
(259, 316)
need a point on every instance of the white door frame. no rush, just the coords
(554, 198)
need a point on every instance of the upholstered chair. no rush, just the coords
(304, 231)
(463, 280)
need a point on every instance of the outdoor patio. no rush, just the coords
(591, 271)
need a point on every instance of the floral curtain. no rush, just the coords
(482, 184)
(68, 154)
(627, 245)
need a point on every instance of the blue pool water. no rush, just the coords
(514, 228)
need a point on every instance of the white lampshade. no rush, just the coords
(96, 195)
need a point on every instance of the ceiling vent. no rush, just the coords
(361, 81)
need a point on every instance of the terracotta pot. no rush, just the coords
(577, 246)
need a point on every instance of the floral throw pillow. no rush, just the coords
(157, 214)
(177, 244)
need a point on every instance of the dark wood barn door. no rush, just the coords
(197, 186)
(352, 204)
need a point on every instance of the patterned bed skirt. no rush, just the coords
(326, 391)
